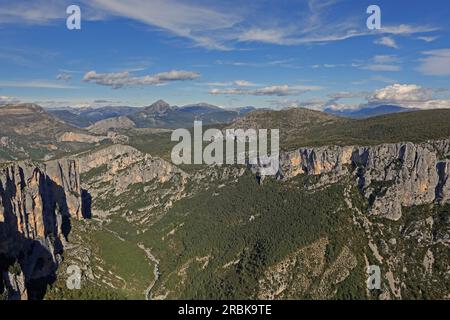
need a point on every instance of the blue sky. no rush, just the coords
(263, 53)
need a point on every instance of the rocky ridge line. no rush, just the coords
(389, 175)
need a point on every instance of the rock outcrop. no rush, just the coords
(103, 126)
(127, 165)
(120, 178)
(79, 137)
(389, 175)
(37, 204)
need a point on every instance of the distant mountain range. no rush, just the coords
(369, 112)
(162, 115)
(84, 117)
(158, 115)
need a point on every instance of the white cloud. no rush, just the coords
(243, 83)
(284, 63)
(237, 83)
(323, 32)
(387, 41)
(408, 96)
(4, 100)
(436, 63)
(315, 104)
(334, 101)
(273, 36)
(401, 92)
(289, 37)
(176, 75)
(404, 95)
(215, 25)
(190, 21)
(428, 38)
(405, 29)
(63, 77)
(282, 90)
(125, 79)
(331, 65)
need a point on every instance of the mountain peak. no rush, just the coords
(158, 107)
(160, 104)
(203, 105)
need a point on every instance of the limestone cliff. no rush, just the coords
(120, 178)
(37, 203)
(389, 175)
(110, 124)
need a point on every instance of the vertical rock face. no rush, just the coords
(389, 175)
(16, 286)
(37, 203)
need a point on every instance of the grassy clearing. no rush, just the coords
(125, 260)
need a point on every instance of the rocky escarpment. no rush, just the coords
(390, 176)
(37, 204)
(124, 165)
(121, 179)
